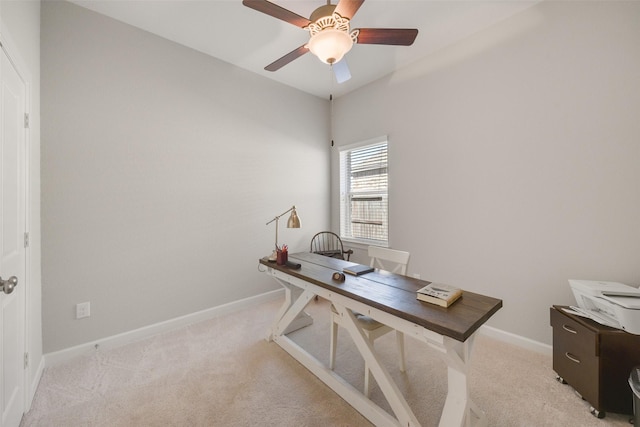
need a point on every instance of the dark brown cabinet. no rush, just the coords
(595, 360)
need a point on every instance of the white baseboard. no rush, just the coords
(158, 328)
(514, 339)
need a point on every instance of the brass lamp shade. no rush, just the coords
(294, 220)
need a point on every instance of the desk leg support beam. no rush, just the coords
(291, 316)
(459, 410)
(391, 392)
(354, 397)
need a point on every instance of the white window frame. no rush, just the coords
(345, 218)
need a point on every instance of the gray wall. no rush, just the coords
(514, 160)
(515, 157)
(160, 168)
(20, 20)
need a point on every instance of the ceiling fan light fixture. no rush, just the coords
(330, 45)
(330, 38)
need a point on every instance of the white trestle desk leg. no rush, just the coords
(458, 408)
(283, 309)
(378, 416)
(332, 345)
(293, 295)
(391, 392)
(293, 314)
(302, 319)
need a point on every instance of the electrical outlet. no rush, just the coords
(83, 310)
(416, 275)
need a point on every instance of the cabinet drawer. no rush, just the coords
(579, 369)
(575, 356)
(574, 336)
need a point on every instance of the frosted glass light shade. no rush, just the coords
(330, 45)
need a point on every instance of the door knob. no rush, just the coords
(9, 284)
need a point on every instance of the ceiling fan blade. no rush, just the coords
(341, 71)
(294, 54)
(348, 8)
(276, 11)
(391, 36)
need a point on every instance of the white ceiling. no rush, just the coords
(229, 31)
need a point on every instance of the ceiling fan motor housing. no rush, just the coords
(322, 11)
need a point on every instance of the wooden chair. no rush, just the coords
(384, 259)
(329, 244)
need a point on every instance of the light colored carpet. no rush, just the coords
(222, 372)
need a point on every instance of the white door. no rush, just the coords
(12, 242)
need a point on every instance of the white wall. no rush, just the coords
(515, 157)
(161, 167)
(20, 23)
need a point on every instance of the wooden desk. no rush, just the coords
(390, 299)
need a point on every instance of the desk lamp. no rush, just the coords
(292, 222)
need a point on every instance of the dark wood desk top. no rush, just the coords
(395, 294)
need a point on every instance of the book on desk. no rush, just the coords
(358, 269)
(439, 293)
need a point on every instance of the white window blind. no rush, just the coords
(364, 201)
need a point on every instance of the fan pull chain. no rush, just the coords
(331, 117)
(331, 78)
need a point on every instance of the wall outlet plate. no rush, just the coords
(83, 310)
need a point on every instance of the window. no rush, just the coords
(364, 200)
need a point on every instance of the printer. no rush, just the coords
(608, 303)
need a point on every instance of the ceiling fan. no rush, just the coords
(330, 36)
